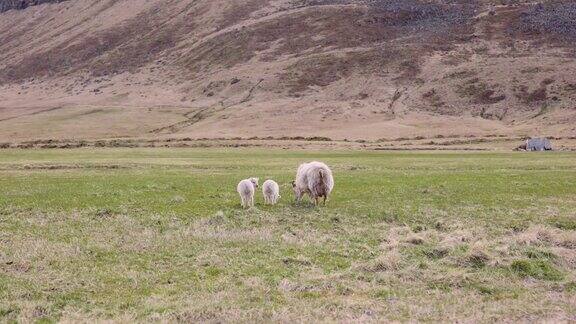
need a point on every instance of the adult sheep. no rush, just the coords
(246, 190)
(315, 179)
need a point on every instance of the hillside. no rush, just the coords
(93, 69)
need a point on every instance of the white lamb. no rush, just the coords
(314, 179)
(271, 192)
(246, 190)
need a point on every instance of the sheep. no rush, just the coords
(271, 192)
(246, 190)
(315, 179)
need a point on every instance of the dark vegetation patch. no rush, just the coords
(480, 92)
(432, 16)
(536, 69)
(526, 96)
(464, 74)
(408, 70)
(434, 99)
(6, 5)
(554, 21)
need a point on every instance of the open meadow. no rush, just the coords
(158, 234)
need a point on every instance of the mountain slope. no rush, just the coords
(343, 69)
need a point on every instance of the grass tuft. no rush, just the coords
(537, 269)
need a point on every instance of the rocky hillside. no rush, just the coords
(336, 68)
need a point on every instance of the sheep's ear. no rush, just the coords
(293, 183)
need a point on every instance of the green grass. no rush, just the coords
(537, 269)
(158, 234)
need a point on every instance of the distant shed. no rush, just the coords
(538, 144)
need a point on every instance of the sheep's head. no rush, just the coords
(295, 188)
(254, 182)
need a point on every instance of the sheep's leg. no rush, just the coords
(325, 197)
(316, 201)
(299, 197)
(243, 201)
(252, 201)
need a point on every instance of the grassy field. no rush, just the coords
(158, 234)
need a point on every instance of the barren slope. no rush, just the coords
(343, 69)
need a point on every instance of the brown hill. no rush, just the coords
(343, 69)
